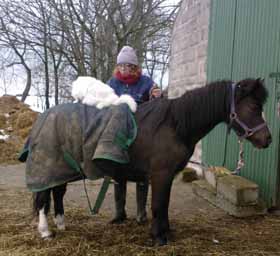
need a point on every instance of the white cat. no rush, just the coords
(93, 92)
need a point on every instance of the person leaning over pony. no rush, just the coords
(128, 79)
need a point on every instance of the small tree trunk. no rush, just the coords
(27, 85)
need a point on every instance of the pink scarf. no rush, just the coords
(128, 79)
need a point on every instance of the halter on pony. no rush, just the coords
(247, 131)
(233, 117)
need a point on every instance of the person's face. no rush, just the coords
(126, 69)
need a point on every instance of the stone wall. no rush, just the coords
(187, 68)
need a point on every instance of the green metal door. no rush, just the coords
(249, 30)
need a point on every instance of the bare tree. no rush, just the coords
(9, 40)
(83, 37)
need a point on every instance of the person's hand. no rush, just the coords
(156, 92)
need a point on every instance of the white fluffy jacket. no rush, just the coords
(93, 92)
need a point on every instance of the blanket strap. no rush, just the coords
(101, 195)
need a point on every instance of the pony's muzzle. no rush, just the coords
(261, 138)
(268, 140)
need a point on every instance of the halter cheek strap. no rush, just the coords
(234, 118)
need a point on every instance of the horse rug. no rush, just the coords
(76, 134)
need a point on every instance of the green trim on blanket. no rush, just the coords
(76, 178)
(131, 140)
(72, 162)
(22, 156)
(109, 157)
(122, 140)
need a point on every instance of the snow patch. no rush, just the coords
(3, 136)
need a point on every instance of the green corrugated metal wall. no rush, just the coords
(244, 41)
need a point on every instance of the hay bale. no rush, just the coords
(23, 133)
(16, 120)
(189, 175)
(2, 121)
(25, 119)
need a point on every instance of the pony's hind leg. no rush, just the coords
(58, 194)
(141, 197)
(42, 206)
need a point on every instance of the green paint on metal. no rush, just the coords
(244, 38)
(274, 75)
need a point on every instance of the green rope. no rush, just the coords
(101, 195)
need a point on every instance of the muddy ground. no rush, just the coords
(198, 227)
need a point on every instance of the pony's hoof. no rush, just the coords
(160, 241)
(118, 219)
(47, 236)
(60, 226)
(141, 220)
(59, 221)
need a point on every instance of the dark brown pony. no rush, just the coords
(168, 130)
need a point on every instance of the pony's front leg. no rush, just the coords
(42, 206)
(161, 187)
(58, 194)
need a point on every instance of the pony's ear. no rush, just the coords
(248, 85)
(260, 80)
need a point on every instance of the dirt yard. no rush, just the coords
(198, 228)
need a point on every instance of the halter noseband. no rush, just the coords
(234, 118)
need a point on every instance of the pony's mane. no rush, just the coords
(193, 107)
(181, 111)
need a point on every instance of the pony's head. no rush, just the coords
(248, 98)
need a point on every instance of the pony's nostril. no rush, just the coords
(269, 139)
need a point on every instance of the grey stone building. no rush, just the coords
(187, 68)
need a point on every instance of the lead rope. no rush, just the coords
(241, 162)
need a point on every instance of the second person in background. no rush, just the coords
(128, 79)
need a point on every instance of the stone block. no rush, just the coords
(259, 208)
(189, 174)
(238, 190)
(212, 174)
(202, 189)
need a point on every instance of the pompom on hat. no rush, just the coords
(127, 55)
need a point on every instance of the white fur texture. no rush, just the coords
(93, 92)
(59, 221)
(43, 227)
